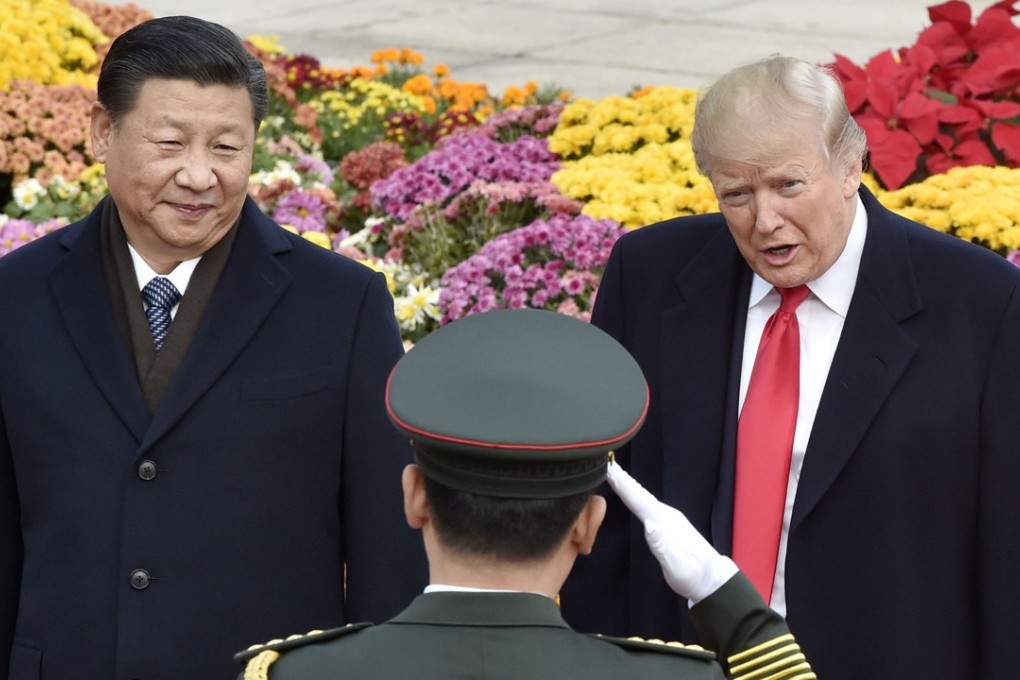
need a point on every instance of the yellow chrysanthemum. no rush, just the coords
(318, 238)
(656, 182)
(362, 97)
(621, 124)
(48, 41)
(270, 44)
(975, 203)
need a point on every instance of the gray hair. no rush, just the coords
(749, 113)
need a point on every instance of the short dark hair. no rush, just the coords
(503, 529)
(178, 47)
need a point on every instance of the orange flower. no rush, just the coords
(514, 96)
(333, 74)
(440, 70)
(420, 84)
(113, 20)
(390, 54)
(471, 94)
(44, 175)
(362, 72)
(19, 163)
(409, 56)
(448, 89)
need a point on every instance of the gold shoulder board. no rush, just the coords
(258, 658)
(653, 645)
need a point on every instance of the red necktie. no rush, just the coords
(764, 444)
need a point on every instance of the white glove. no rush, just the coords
(691, 565)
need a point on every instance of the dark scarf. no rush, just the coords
(156, 370)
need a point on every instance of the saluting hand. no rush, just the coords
(692, 567)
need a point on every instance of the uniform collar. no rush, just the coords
(482, 609)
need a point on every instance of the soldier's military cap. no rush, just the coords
(517, 403)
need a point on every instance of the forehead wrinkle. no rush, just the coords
(221, 126)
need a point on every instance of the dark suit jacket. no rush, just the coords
(904, 545)
(275, 464)
(508, 636)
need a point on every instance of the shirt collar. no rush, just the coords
(180, 276)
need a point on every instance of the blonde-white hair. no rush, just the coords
(750, 114)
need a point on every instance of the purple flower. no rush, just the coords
(301, 210)
(521, 120)
(316, 168)
(456, 164)
(1014, 257)
(16, 233)
(538, 265)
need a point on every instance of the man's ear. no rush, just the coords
(101, 128)
(852, 180)
(586, 527)
(416, 507)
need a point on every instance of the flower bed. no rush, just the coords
(468, 200)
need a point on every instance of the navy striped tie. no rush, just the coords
(160, 295)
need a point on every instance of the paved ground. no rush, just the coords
(594, 48)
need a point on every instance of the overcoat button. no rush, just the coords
(147, 470)
(140, 579)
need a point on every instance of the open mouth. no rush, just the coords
(780, 255)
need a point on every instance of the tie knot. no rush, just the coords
(161, 292)
(792, 297)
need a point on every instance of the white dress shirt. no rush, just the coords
(820, 318)
(180, 276)
(444, 588)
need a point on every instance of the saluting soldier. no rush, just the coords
(513, 415)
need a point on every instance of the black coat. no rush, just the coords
(904, 544)
(276, 464)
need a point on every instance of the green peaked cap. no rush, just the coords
(517, 403)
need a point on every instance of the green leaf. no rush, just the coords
(944, 97)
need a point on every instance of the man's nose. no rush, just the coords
(198, 172)
(767, 217)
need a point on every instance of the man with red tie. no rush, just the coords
(833, 399)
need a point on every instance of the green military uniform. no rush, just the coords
(504, 636)
(525, 404)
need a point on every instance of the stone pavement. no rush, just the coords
(594, 48)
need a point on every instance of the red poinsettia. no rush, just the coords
(952, 98)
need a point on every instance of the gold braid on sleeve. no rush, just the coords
(777, 658)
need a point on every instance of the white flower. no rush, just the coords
(362, 240)
(64, 189)
(27, 193)
(356, 240)
(281, 171)
(416, 305)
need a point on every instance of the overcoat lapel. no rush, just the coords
(82, 298)
(695, 368)
(251, 285)
(872, 354)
